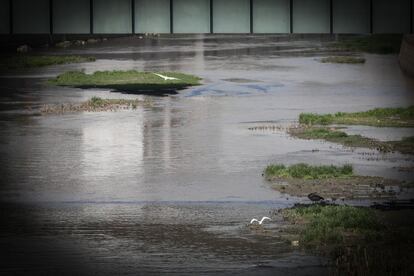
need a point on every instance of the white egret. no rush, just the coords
(165, 77)
(261, 221)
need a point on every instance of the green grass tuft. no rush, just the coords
(343, 60)
(21, 62)
(406, 145)
(304, 171)
(128, 81)
(334, 224)
(380, 117)
(375, 44)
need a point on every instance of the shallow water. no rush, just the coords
(171, 188)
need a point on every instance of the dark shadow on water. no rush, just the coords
(156, 90)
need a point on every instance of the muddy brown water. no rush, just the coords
(171, 188)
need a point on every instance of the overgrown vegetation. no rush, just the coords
(343, 60)
(26, 61)
(361, 241)
(305, 171)
(95, 104)
(333, 224)
(126, 81)
(380, 117)
(375, 43)
(331, 182)
(333, 135)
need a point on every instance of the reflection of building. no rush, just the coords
(205, 16)
(112, 152)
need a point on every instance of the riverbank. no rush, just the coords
(360, 241)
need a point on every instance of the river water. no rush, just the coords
(171, 188)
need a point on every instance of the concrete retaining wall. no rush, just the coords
(351, 16)
(4, 17)
(271, 16)
(71, 17)
(196, 16)
(31, 16)
(191, 16)
(152, 16)
(231, 16)
(311, 16)
(112, 17)
(407, 55)
(391, 16)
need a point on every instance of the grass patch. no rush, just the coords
(343, 60)
(125, 81)
(95, 104)
(375, 44)
(360, 241)
(335, 136)
(324, 225)
(21, 62)
(379, 117)
(331, 182)
(304, 171)
(406, 145)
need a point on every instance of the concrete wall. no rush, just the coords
(351, 16)
(391, 16)
(407, 55)
(71, 17)
(152, 16)
(311, 16)
(4, 17)
(191, 16)
(112, 16)
(271, 16)
(231, 16)
(31, 16)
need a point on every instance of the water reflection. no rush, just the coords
(112, 153)
(172, 186)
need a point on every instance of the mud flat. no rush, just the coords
(334, 135)
(95, 104)
(330, 182)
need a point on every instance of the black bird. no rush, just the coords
(315, 197)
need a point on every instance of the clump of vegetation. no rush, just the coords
(406, 145)
(128, 81)
(305, 171)
(343, 60)
(380, 117)
(335, 136)
(375, 43)
(23, 61)
(331, 182)
(324, 225)
(361, 241)
(95, 104)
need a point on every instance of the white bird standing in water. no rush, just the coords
(165, 77)
(261, 221)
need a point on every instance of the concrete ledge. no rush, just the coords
(407, 55)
